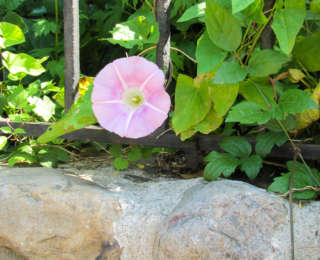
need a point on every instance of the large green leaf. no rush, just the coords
(195, 11)
(306, 51)
(258, 93)
(248, 113)
(211, 122)
(192, 103)
(239, 5)
(266, 62)
(208, 55)
(22, 63)
(10, 35)
(296, 101)
(229, 72)
(266, 141)
(79, 116)
(219, 163)
(223, 97)
(223, 28)
(286, 25)
(251, 166)
(236, 145)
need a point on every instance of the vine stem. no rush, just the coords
(291, 204)
(172, 48)
(258, 36)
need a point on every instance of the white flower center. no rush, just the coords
(133, 97)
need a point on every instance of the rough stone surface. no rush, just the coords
(54, 214)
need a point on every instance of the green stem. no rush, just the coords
(257, 37)
(56, 6)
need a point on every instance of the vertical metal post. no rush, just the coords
(163, 8)
(71, 51)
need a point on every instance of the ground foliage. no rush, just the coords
(224, 82)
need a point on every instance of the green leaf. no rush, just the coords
(229, 72)
(192, 102)
(223, 28)
(239, 5)
(115, 150)
(258, 93)
(195, 11)
(187, 134)
(289, 124)
(18, 98)
(134, 154)
(19, 131)
(11, 4)
(120, 163)
(219, 163)
(302, 179)
(211, 122)
(139, 29)
(254, 12)
(14, 18)
(266, 141)
(21, 157)
(50, 156)
(6, 130)
(223, 97)
(208, 55)
(3, 142)
(306, 51)
(236, 145)
(251, 166)
(79, 116)
(266, 62)
(10, 35)
(286, 25)
(315, 6)
(22, 63)
(248, 113)
(296, 101)
(43, 107)
(42, 27)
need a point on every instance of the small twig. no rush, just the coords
(164, 132)
(284, 195)
(170, 74)
(61, 148)
(275, 164)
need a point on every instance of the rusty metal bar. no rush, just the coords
(71, 51)
(163, 8)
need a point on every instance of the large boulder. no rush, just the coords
(101, 214)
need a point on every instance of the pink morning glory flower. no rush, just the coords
(129, 98)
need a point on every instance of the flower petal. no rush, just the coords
(112, 117)
(147, 119)
(136, 70)
(107, 85)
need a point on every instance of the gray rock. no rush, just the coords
(234, 220)
(54, 214)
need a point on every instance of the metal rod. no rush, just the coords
(71, 51)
